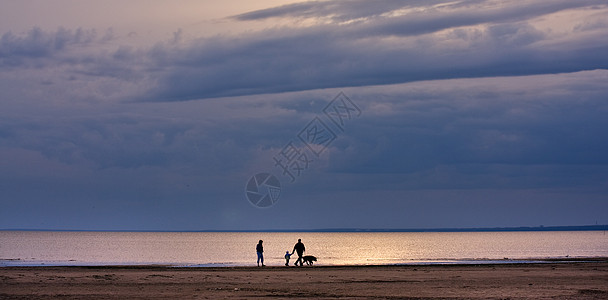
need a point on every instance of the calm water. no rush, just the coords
(238, 249)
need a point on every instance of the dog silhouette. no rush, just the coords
(309, 259)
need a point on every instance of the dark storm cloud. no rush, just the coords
(117, 141)
(477, 39)
(97, 127)
(463, 125)
(184, 164)
(212, 136)
(423, 17)
(291, 64)
(481, 125)
(358, 54)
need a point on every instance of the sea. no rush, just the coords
(229, 249)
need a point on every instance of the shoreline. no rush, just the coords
(568, 279)
(11, 263)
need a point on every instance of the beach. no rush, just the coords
(548, 280)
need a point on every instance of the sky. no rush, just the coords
(156, 115)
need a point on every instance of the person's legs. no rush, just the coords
(260, 258)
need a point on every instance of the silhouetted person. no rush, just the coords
(287, 256)
(260, 249)
(299, 248)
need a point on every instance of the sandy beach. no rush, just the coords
(572, 280)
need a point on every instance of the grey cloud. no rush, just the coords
(337, 10)
(38, 43)
(515, 34)
(326, 56)
(83, 121)
(507, 135)
(318, 60)
(105, 143)
(424, 18)
(521, 136)
(329, 55)
(208, 136)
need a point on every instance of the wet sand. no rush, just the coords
(571, 280)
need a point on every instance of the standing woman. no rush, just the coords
(260, 249)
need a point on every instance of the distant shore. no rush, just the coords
(574, 279)
(472, 229)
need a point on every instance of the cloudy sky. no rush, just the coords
(154, 115)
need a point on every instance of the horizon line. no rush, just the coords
(445, 229)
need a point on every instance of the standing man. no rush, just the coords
(299, 248)
(260, 249)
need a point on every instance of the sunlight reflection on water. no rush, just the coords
(238, 249)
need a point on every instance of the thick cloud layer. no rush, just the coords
(473, 113)
(345, 44)
(471, 40)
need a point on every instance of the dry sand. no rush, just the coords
(571, 280)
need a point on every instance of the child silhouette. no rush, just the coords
(287, 256)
